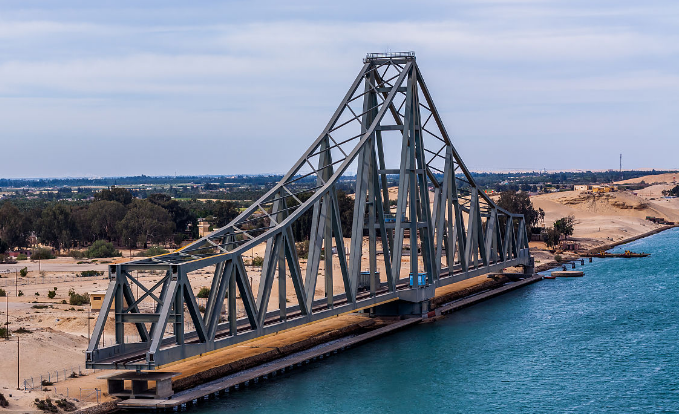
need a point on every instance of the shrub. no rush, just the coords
(20, 293)
(4, 332)
(258, 261)
(153, 251)
(302, 249)
(42, 253)
(22, 256)
(203, 293)
(87, 273)
(2, 293)
(3, 401)
(46, 405)
(6, 259)
(201, 308)
(51, 294)
(76, 254)
(22, 330)
(46, 383)
(558, 257)
(37, 294)
(39, 306)
(66, 405)
(77, 299)
(23, 272)
(102, 248)
(63, 301)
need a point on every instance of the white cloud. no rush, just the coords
(498, 68)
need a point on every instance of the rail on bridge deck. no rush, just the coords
(416, 211)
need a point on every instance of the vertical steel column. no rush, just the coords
(178, 308)
(119, 307)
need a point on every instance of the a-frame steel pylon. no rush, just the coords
(419, 222)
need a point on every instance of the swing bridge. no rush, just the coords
(419, 222)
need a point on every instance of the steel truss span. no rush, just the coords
(438, 224)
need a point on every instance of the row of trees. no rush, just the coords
(673, 192)
(114, 215)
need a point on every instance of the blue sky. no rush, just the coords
(163, 87)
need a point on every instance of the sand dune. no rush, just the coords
(653, 179)
(612, 216)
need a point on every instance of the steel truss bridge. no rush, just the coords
(437, 224)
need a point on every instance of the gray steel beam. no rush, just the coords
(482, 248)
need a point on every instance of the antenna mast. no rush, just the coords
(620, 167)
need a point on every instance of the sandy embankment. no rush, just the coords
(610, 217)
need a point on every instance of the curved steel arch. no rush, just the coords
(455, 231)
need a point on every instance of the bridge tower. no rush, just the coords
(419, 221)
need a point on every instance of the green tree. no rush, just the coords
(119, 194)
(104, 216)
(551, 237)
(56, 226)
(225, 211)
(673, 192)
(14, 225)
(519, 203)
(145, 222)
(180, 216)
(42, 253)
(565, 225)
(102, 248)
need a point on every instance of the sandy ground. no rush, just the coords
(609, 217)
(667, 178)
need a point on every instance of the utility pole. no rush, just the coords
(16, 282)
(7, 314)
(18, 382)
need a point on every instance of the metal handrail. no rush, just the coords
(389, 55)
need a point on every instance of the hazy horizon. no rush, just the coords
(348, 174)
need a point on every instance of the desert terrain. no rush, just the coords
(609, 217)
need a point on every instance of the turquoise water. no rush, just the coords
(605, 343)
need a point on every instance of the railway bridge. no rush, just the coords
(419, 222)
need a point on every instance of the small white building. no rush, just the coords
(581, 188)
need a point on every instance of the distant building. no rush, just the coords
(581, 188)
(605, 188)
(203, 228)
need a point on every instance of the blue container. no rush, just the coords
(421, 279)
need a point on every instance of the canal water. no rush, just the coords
(604, 343)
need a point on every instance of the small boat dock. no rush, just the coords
(628, 254)
(567, 273)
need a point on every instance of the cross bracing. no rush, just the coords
(435, 222)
